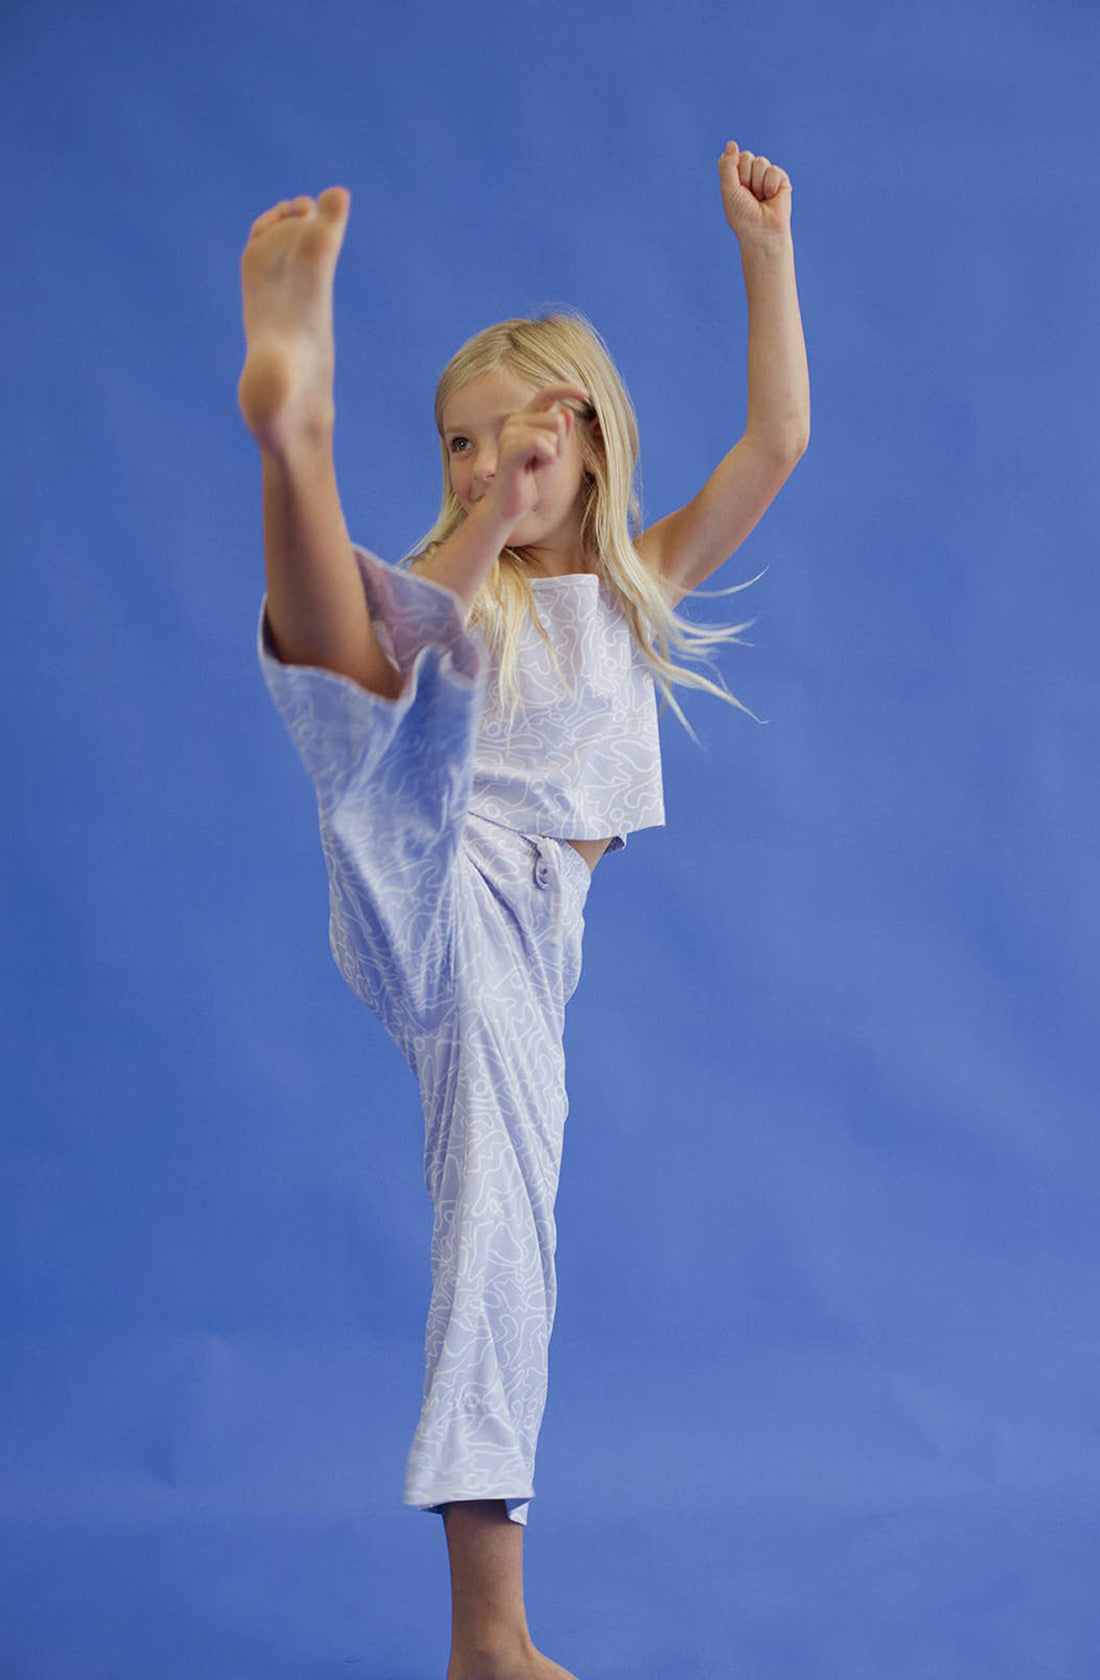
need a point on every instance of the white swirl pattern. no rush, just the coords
(463, 936)
(582, 761)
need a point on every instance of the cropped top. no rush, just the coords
(582, 760)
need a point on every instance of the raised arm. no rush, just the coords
(689, 544)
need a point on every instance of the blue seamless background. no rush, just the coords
(824, 1383)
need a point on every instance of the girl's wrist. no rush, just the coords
(762, 247)
(489, 516)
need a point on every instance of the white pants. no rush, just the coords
(463, 936)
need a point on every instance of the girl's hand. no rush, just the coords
(532, 442)
(756, 195)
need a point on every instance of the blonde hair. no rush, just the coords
(558, 347)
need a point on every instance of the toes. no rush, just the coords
(333, 203)
(268, 217)
(285, 207)
(325, 233)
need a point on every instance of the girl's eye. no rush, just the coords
(458, 439)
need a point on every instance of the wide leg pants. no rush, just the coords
(463, 936)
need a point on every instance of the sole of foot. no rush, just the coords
(287, 269)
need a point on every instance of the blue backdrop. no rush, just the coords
(824, 1384)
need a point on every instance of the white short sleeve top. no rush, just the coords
(581, 761)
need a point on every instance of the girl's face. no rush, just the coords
(472, 421)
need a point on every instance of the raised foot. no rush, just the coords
(287, 269)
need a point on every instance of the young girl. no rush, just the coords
(480, 726)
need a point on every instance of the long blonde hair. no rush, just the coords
(554, 348)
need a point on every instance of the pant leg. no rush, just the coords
(392, 779)
(464, 938)
(495, 1103)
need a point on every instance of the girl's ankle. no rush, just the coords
(490, 1652)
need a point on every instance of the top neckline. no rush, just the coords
(565, 577)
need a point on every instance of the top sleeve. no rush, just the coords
(343, 732)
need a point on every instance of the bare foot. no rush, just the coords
(287, 269)
(533, 1667)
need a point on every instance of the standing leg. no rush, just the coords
(493, 1112)
(488, 1619)
(492, 1085)
(489, 1637)
(492, 1081)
